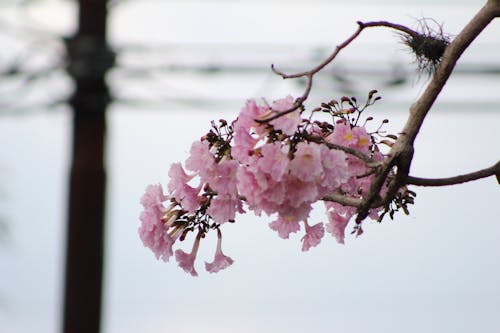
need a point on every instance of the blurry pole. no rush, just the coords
(89, 58)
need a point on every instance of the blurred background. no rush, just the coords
(180, 64)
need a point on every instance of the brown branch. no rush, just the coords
(365, 158)
(342, 199)
(345, 200)
(484, 173)
(401, 153)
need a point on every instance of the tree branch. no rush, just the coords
(494, 170)
(351, 151)
(401, 153)
(310, 73)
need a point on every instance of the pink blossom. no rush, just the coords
(153, 197)
(337, 225)
(306, 163)
(186, 260)
(178, 177)
(362, 138)
(223, 208)
(313, 235)
(243, 145)
(186, 195)
(247, 116)
(220, 261)
(335, 171)
(340, 209)
(251, 182)
(291, 212)
(224, 180)
(188, 198)
(152, 230)
(284, 227)
(289, 122)
(154, 235)
(342, 135)
(200, 160)
(276, 192)
(274, 160)
(299, 192)
(247, 184)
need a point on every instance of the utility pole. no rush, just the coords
(88, 59)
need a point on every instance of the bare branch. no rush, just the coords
(310, 73)
(494, 170)
(365, 158)
(343, 199)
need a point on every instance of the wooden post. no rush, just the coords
(89, 58)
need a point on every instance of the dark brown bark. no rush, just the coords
(88, 60)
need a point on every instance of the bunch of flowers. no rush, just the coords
(270, 160)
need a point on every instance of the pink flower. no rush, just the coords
(337, 226)
(299, 192)
(154, 236)
(248, 114)
(188, 198)
(223, 208)
(221, 261)
(362, 138)
(152, 231)
(289, 122)
(153, 197)
(306, 164)
(284, 227)
(342, 135)
(313, 235)
(178, 177)
(186, 260)
(200, 160)
(247, 184)
(243, 145)
(186, 195)
(290, 212)
(335, 171)
(274, 160)
(224, 180)
(355, 137)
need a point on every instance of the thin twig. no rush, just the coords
(310, 73)
(345, 200)
(365, 158)
(494, 170)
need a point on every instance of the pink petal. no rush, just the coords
(313, 236)
(220, 262)
(337, 226)
(186, 261)
(284, 228)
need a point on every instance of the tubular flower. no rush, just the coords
(220, 261)
(186, 260)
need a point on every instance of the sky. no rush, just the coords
(434, 271)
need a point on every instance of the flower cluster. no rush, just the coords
(272, 160)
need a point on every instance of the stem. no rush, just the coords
(494, 170)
